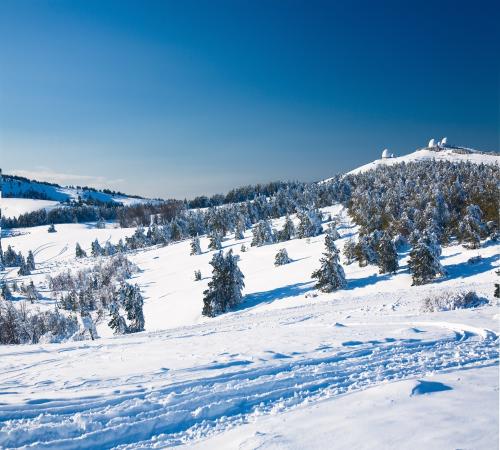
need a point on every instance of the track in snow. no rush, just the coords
(177, 413)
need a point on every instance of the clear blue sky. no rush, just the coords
(179, 98)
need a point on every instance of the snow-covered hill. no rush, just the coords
(20, 195)
(439, 153)
(251, 377)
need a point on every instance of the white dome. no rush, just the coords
(432, 143)
(385, 153)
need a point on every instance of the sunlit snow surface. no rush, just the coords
(287, 370)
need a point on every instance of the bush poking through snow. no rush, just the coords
(197, 275)
(448, 301)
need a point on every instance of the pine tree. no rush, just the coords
(365, 251)
(52, 228)
(310, 224)
(288, 231)
(23, 267)
(262, 234)
(133, 303)
(96, 249)
(350, 251)
(195, 246)
(332, 232)
(281, 257)
(79, 252)
(243, 248)
(197, 275)
(215, 241)
(387, 255)
(239, 232)
(117, 322)
(424, 262)
(224, 289)
(472, 227)
(330, 275)
(30, 261)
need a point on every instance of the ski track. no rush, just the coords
(174, 413)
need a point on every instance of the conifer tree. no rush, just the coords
(30, 261)
(350, 251)
(262, 234)
(281, 257)
(330, 276)
(133, 303)
(197, 275)
(424, 262)
(79, 252)
(224, 289)
(288, 231)
(52, 228)
(23, 267)
(195, 246)
(117, 322)
(96, 249)
(215, 241)
(387, 255)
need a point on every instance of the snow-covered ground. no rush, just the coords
(360, 368)
(426, 154)
(14, 207)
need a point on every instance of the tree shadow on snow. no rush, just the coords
(465, 270)
(369, 280)
(266, 297)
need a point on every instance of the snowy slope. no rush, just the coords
(428, 154)
(14, 207)
(18, 188)
(255, 377)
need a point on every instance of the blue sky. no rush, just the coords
(180, 98)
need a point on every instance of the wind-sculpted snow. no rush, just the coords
(177, 406)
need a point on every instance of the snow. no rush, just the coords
(285, 370)
(14, 207)
(426, 154)
(17, 189)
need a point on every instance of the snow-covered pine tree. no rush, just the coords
(52, 228)
(239, 231)
(215, 241)
(197, 275)
(310, 223)
(100, 224)
(424, 261)
(387, 255)
(23, 267)
(282, 257)
(288, 231)
(224, 289)
(365, 251)
(117, 322)
(133, 303)
(350, 251)
(330, 275)
(332, 232)
(195, 246)
(96, 249)
(30, 261)
(243, 248)
(79, 252)
(262, 234)
(472, 227)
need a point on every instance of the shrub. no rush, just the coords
(448, 301)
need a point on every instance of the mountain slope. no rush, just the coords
(456, 154)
